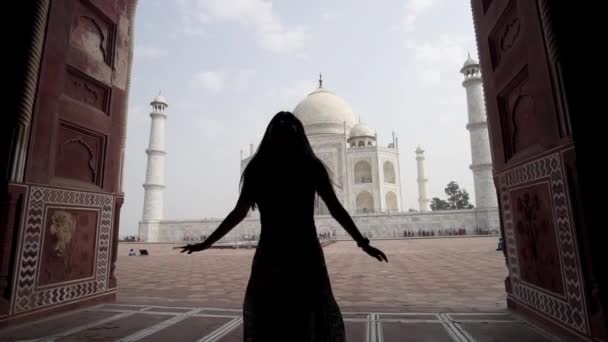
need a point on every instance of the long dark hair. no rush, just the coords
(284, 140)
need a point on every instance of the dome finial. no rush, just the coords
(320, 81)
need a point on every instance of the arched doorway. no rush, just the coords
(391, 201)
(389, 172)
(363, 172)
(364, 202)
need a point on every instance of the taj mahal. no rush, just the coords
(366, 175)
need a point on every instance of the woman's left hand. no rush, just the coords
(190, 248)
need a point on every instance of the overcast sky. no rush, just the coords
(227, 66)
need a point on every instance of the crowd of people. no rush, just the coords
(405, 234)
(131, 238)
(326, 235)
(449, 232)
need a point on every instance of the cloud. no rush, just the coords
(327, 16)
(190, 23)
(138, 116)
(430, 77)
(209, 128)
(413, 9)
(257, 16)
(434, 59)
(448, 50)
(150, 52)
(211, 81)
(292, 93)
(243, 77)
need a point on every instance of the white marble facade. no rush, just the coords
(365, 174)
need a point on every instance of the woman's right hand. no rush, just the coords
(375, 252)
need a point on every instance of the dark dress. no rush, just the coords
(289, 296)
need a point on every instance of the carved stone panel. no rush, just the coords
(537, 221)
(86, 90)
(505, 34)
(536, 237)
(68, 245)
(80, 154)
(92, 33)
(56, 221)
(519, 118)
(486, 4)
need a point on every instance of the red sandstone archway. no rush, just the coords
(63, 140)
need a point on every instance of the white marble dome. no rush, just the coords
(322, 111)
(362, 130)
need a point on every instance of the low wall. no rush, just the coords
(386, 225)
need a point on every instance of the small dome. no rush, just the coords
(322, 111)
(160, 99)
(470, 62)
(362, 130)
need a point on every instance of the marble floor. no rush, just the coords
(129, 322)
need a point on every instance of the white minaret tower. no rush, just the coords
(423, 198)
(485, 192)
(155, 172)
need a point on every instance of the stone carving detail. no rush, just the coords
(84, 89)
(91, 162)
(63, 225)
(510, 34)
(29, 294)
(486, 4)
(518, 116)
(79, 154)
(568, 309)
(92, 33)
(68, 245)
(536, 238)
(505, 35)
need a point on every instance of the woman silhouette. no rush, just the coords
(289, 296)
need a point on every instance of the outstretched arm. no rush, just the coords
(337, 211)
(234, 217)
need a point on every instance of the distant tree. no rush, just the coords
(457, 198)
(439, 204)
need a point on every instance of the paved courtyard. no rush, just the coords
(431, 290)
(449, 272)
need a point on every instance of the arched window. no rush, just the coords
(361, 143)
(369, 143)
(391, 201)
(363, 172)
(389, 173)
(364, 202)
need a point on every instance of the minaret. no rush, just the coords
(423, 199)
(155, 171)
(485, 192)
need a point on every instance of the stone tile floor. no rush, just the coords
(447, 272)
(127, 322)
(449, 289)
